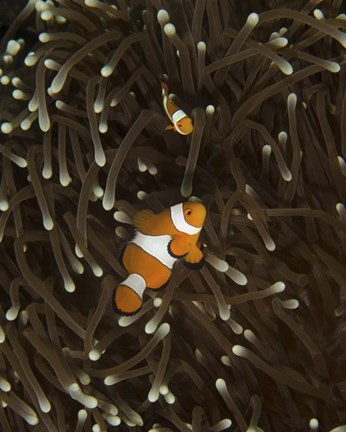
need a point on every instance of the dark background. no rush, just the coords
(9, 9)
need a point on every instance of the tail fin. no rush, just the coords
(128, 295)
(164, 87)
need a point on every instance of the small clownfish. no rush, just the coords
(160, 240)
(181, 122)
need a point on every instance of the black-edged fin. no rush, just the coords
(123, 304)
(194, 266)
(172, 254)
(143, 219)
(162, 287)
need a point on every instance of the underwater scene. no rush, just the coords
(172, 216)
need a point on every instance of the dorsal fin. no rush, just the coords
(142, 219)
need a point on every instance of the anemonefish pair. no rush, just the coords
(181, 122)
(160, 240)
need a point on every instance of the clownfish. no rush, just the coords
(159, 241)
(181, 122)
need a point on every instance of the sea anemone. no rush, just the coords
(255, 341)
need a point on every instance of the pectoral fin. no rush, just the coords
(169, 127)
(178, 248)
(194, 259)
(195, 266)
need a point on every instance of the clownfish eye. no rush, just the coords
(179, 125)
(189, 212)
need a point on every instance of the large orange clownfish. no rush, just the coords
(181, 122)
(160, 240)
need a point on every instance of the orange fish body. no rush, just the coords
(181, 122)
(159, 241)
